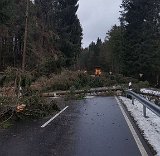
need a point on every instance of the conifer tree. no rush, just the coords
(68, 28)
(141, 19)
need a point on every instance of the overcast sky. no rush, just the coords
(97, 17)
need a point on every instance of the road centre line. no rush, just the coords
(45, 124)
(136, 138)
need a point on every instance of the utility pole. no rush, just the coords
(25, 37)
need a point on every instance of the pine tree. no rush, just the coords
(142, 22)
(69, 29)
(115, 44)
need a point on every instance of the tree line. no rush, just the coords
(54, 34)
(133, 47)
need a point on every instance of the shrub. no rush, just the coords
(49, 66)
(110, 82)
(37, 106)
(96, 82)
(79, 80)
(67, 79)
(7, 101)
(82, 81)
(123, 80)
(140, 85)
(10, 74)
(13, 75)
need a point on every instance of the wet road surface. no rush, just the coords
(89, 127)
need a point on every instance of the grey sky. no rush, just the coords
(97, 17)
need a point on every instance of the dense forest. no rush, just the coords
(133, 47)
(54, 34)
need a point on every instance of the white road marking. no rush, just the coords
(44, 125)
(136, 138)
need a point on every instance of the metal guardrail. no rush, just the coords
(146, 104)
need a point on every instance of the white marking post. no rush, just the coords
(44, 125)
(136, 138)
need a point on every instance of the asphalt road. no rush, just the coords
(90, 127)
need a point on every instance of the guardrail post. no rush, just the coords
(144, 111)
(132, 100)
(146, 104)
